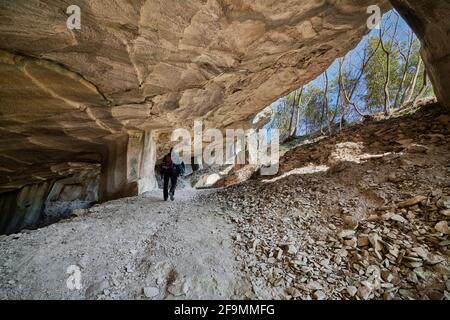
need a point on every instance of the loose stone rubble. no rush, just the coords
(374, 230)
(374, 225)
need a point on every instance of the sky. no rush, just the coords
(354, 59)
(354, 55)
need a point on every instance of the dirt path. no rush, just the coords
(179, 249)
(362, 215)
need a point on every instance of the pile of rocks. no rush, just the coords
(374, 229)
(400, 252)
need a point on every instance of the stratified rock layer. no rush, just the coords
(153, 66)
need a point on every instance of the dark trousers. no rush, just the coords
(173, 184)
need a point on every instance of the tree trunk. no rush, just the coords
(387, 104)
(405, 72)
(346, 96)
(344, 103)
(387, 100)
(338, 98)
(291, 120)
(349, 96)
(424, 86)
(414, 82)
(295, 120)
(325, 105)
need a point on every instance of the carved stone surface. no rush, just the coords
(151, 65)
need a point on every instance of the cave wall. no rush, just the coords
(128, 166)
(147, 177)
(114, 176)
(23, 208)
(39, 204)
(79, 191)
(128, 169)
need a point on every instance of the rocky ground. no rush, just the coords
(361, 215)
(135, 248)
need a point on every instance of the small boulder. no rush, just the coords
(364, 292)
(352, 290)
(346, 234)
(350, 222)
(363, 240)
(411, 202)
(319, 295)
(442, 227)
(416, 148)
(151, 292)
(398, 218)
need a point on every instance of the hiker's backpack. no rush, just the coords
(168, 164)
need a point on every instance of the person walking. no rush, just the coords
(171, 168)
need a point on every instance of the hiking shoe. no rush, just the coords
(171, 196)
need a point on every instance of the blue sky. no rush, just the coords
(354, 59)
(354, 55)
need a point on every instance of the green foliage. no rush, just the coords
(312, 110)
(281, 117)
(363, 82)
(375, 74)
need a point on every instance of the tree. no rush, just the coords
(383, 73)
(406, 56)
(295, 100)
(313, 98)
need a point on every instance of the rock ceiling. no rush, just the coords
(151, 65)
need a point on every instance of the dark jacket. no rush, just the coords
(167, 166)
